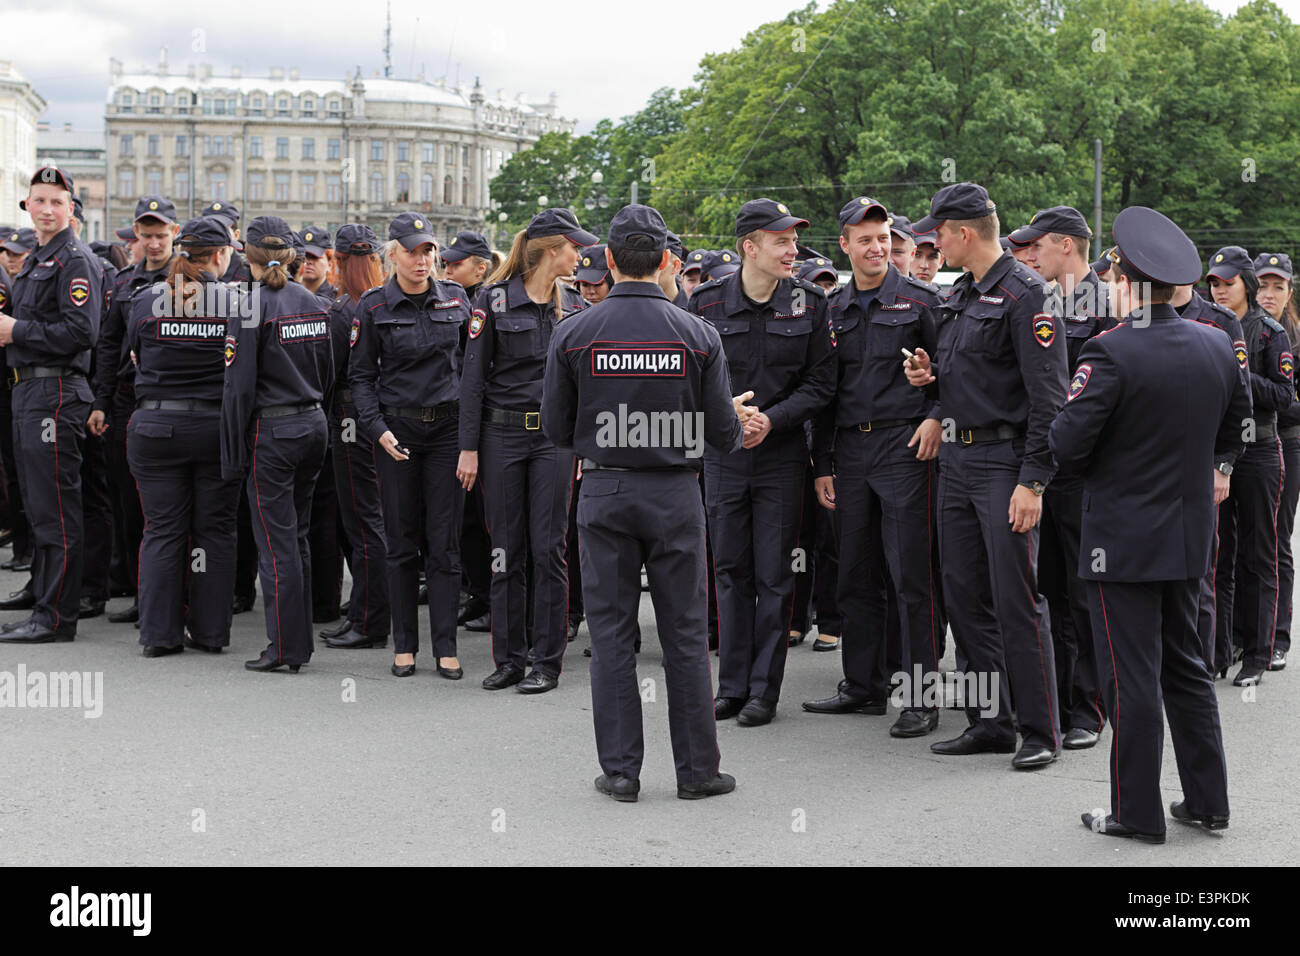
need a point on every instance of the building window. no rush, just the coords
(282, 147)
(309, 187)
(217, 185)
(127, 102)
(403, 188)
(335, 111)
(332, 149)
(282, 106)
(127, 144)
(333, 189)
(151, 145)
(182, 145)
(499, 159)
(219, 107)
(183, 184)
(218, 145)
(376, 188)
(182, 102)
(281, 187)
(308, 106)
(446, 191)
(464, 155)
(153, 182)
(376, 150)
(403, 151)
(464, 192)
(426, 188)
(308, 148)
(126, 183)
(155, 103)
(256, 185)
(254, 147)
(427, 152)
(450, 156)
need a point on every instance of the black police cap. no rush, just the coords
(591, 264)
(1102, 265)
(156, 207)
(900, 225)
(1274, 264)
(316, 239)
(766, 215)
(299, 246)
(1005, 243)
(226, 210)
(50, 175)
(1015, 239)
(204, 231)
(958, 201)
(1228, 262)
(811, 269)
(855, 210)
(559, 222)
(930, 238)
(356, 239)
(126, 233)
(1150, 246)
(19, 241)
(264, 231)
(78, 210)
(638, 227)
(1061, 220)
(464, 244)
(693, 260)
(675, 245)
(719, 263)
(412, 230)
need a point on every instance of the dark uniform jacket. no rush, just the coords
(179, 356)
(58, 300)
(112, 361)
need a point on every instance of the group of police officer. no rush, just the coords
(1039, 457)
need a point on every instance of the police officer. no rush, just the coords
(313, 276)
(691, 274)
(718, 264)
(1154, 407)
(175, 336)
(636, 352)
(16, 247)
(229, 213)
(1001, 380)
(278, 369)
(1247, 599)
(1276, 297)
(353, 454)
(670, 279)
(873, 453)
(821, 271)
(1057, 240)
(57, 301)
(927, 260)
(777, 342)
(404, 372)
(593, 277)
(902, 242)
(526, 478)
(21, 560)
(155, 228)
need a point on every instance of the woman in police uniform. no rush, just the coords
(278, 369)
(175, 335)
(526, 479)
(405, 376)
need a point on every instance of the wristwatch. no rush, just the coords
(1037, 487)
(1224, 469)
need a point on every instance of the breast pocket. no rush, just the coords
(1079, 330)
(983, 329)
(516, 336)
(397, 338)
(889, 333)
(787, 342)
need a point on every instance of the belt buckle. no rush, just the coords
(966, 436)
(865, 428)
(428, 414)
(533, 417)
(13, 374)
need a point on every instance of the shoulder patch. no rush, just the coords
(1079, 382)
(1238, 349)
(830, 324)
(355, 333)
(79, 291)
(4, 299)
(231, 342)
(1044, 329)
(1285, 364)
(476, 323)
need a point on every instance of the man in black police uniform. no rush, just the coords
(57, 303)
(229, 213)
(1153, 423)
(636, 354)
(1001, 379)
(776, 336)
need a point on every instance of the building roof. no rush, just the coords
(52, 139)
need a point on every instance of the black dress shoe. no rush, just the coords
(14, 625)
(480, 624)
(532, 655)
(127, 616)
(23, 600)
(347, 637)
(266, 664)
(795, 639)
(1112, 827)
(1278, 661)
(451, 673)
(1080, 738)
(842, 702)
(507, 675)
(621, 788)
(474, 607)
(17, 564)
(586, 651)
(33, 632)
(537, 683)
(6, 538)
(722, 783)
(1211, 821)
(192, 644)
(915, 723)
(574, 624)
(242, 603)
(422, 596)
(403, 670)
(820, 645)
(338, 630)
(1033, 757)
(969, 743)
(1248, 676)
(756, 712)
(151, 650)
(724, 708)
(90, 607)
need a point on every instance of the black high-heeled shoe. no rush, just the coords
(404, 670)
(451, 673)
(266, 664)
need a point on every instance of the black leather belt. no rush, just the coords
(1265, 432)
(972, 436)
(530, 421)
(436, 413)
(887, 423)
(344, 395)
(179, 404)
(17, 375)
(283, 411)
(589, 465)
(1291, 431)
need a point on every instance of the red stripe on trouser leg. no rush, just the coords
(275, 570)
(1114, 717)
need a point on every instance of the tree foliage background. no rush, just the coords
(895, 98)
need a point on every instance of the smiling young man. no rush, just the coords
(57, 299)
(778, 345)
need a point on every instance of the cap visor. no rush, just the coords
(692, 267)
(315, 250)
(13, 247)
(821, 271)
(416, 239)
(787, 222)
(1024, 236)
(454, 254)
(1225, 273)
(592, 275)
(155, 216)
(582, 238)
(927, 225)
(717, 272)
(1274, 271)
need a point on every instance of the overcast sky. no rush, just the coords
(603, 60)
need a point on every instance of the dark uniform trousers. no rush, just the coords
(97, 518)
(475, 546)
(1285, 528)
(286, 457)
(356, 480)
(49, 431)
(128, 519)
(526, 486)
(626, 519)
(572, 560)
(1078, 686)
(245, 549)
(426, 483)
(883, 502)
(189, 530)
(17, 514)
(755, 499)
(326, 554)
(814, 587)
(1153, 624)
(1246, 579)
(999, 619)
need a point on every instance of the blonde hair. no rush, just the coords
(390, 264)
(524, 257)
(276, 276)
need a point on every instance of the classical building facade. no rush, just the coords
(19, 107)
(81, 153)
(314, 150)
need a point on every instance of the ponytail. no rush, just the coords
(275, 276)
